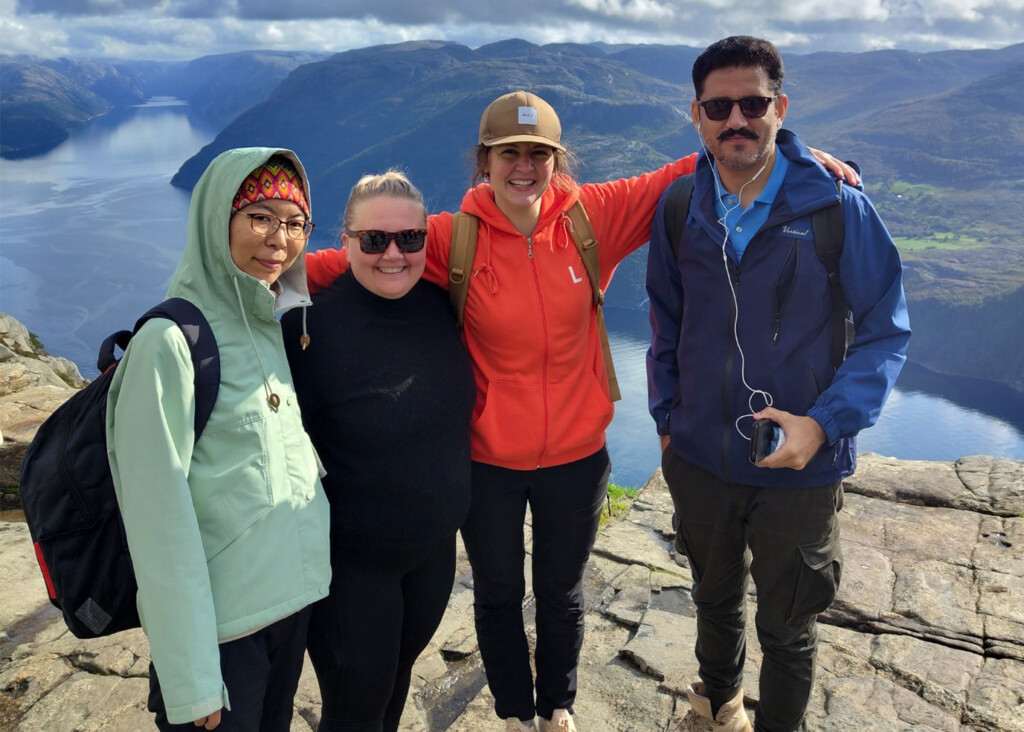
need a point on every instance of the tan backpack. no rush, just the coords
(460, 265)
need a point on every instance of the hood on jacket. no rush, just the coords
(206, 273)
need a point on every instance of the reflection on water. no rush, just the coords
(91, 231)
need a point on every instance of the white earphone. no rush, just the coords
(766, 396)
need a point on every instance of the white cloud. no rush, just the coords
(183, 29)
(644, 11)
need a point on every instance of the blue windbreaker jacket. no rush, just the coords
(696, 371)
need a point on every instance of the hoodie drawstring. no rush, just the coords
(272, 399)
(304, 338)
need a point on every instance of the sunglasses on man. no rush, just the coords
(752, 107)
(373, 241)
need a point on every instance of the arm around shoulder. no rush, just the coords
(324, 266)
(621, 211)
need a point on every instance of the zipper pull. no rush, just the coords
(776, 328)
(529, 246)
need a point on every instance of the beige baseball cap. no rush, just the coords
(520, 117)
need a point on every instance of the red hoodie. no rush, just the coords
(530, 324)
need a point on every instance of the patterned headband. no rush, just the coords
(277, 178)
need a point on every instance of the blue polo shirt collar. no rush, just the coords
(742, 224)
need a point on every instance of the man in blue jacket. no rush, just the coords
(741, 315)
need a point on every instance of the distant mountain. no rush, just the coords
(39, 106)
(221, 87)
(939, 138)
(417, 105)
(41, 100)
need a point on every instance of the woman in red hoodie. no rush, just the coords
(543, 403)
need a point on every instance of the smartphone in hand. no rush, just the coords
(765, 438)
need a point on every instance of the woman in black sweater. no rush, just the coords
(386, 393)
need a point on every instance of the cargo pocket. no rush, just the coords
(821, 569)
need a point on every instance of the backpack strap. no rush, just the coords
(202, 345)
(677, 208)
(827, 224)
(586, 243)
(460, 266)
(460, 261)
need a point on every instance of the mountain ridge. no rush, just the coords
(939, 137)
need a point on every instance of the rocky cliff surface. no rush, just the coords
(32, 385)
(927, 632)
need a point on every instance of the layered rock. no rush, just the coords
(32, 385)
(927, 632)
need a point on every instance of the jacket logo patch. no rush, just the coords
(797, 232)
(572, 273)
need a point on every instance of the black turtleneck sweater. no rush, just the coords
(386, 392)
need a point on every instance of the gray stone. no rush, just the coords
(629, 605)
(24, 591)
(89, 703)
(998, 480)
(926, 634)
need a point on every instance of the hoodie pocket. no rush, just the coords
(230, 482)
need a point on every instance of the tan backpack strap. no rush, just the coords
(460, 261)
(586, 243)
(606, 349)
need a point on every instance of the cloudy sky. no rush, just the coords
(185, 29)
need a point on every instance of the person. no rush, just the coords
(386, 392)
(229, 536)
(749, 338)
(542, 396)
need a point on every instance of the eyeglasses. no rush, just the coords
(751, 107)
(375, 241)
(265, 225)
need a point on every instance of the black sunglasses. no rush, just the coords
(751, 107)
(375, 242)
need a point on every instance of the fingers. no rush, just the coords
(209, 722)
(837, 167)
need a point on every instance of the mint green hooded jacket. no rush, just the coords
(232, 533)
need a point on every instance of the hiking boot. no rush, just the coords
(561, 721)
(732, 717)
(515, 724)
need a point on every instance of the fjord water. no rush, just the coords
(91, 231)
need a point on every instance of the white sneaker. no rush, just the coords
(515, 724)
(561, 721)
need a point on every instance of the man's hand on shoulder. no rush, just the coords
(804, 437)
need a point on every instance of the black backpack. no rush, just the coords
(67, 491)
(827, 224)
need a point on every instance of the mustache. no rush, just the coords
(742, 132)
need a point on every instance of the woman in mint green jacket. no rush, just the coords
(229, 535)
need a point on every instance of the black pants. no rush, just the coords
(795, 561)
(565, 502)
(365, 637)
(261, 672)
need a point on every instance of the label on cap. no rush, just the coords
(527, 115)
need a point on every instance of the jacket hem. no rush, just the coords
(250, 624)
(549, 460)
